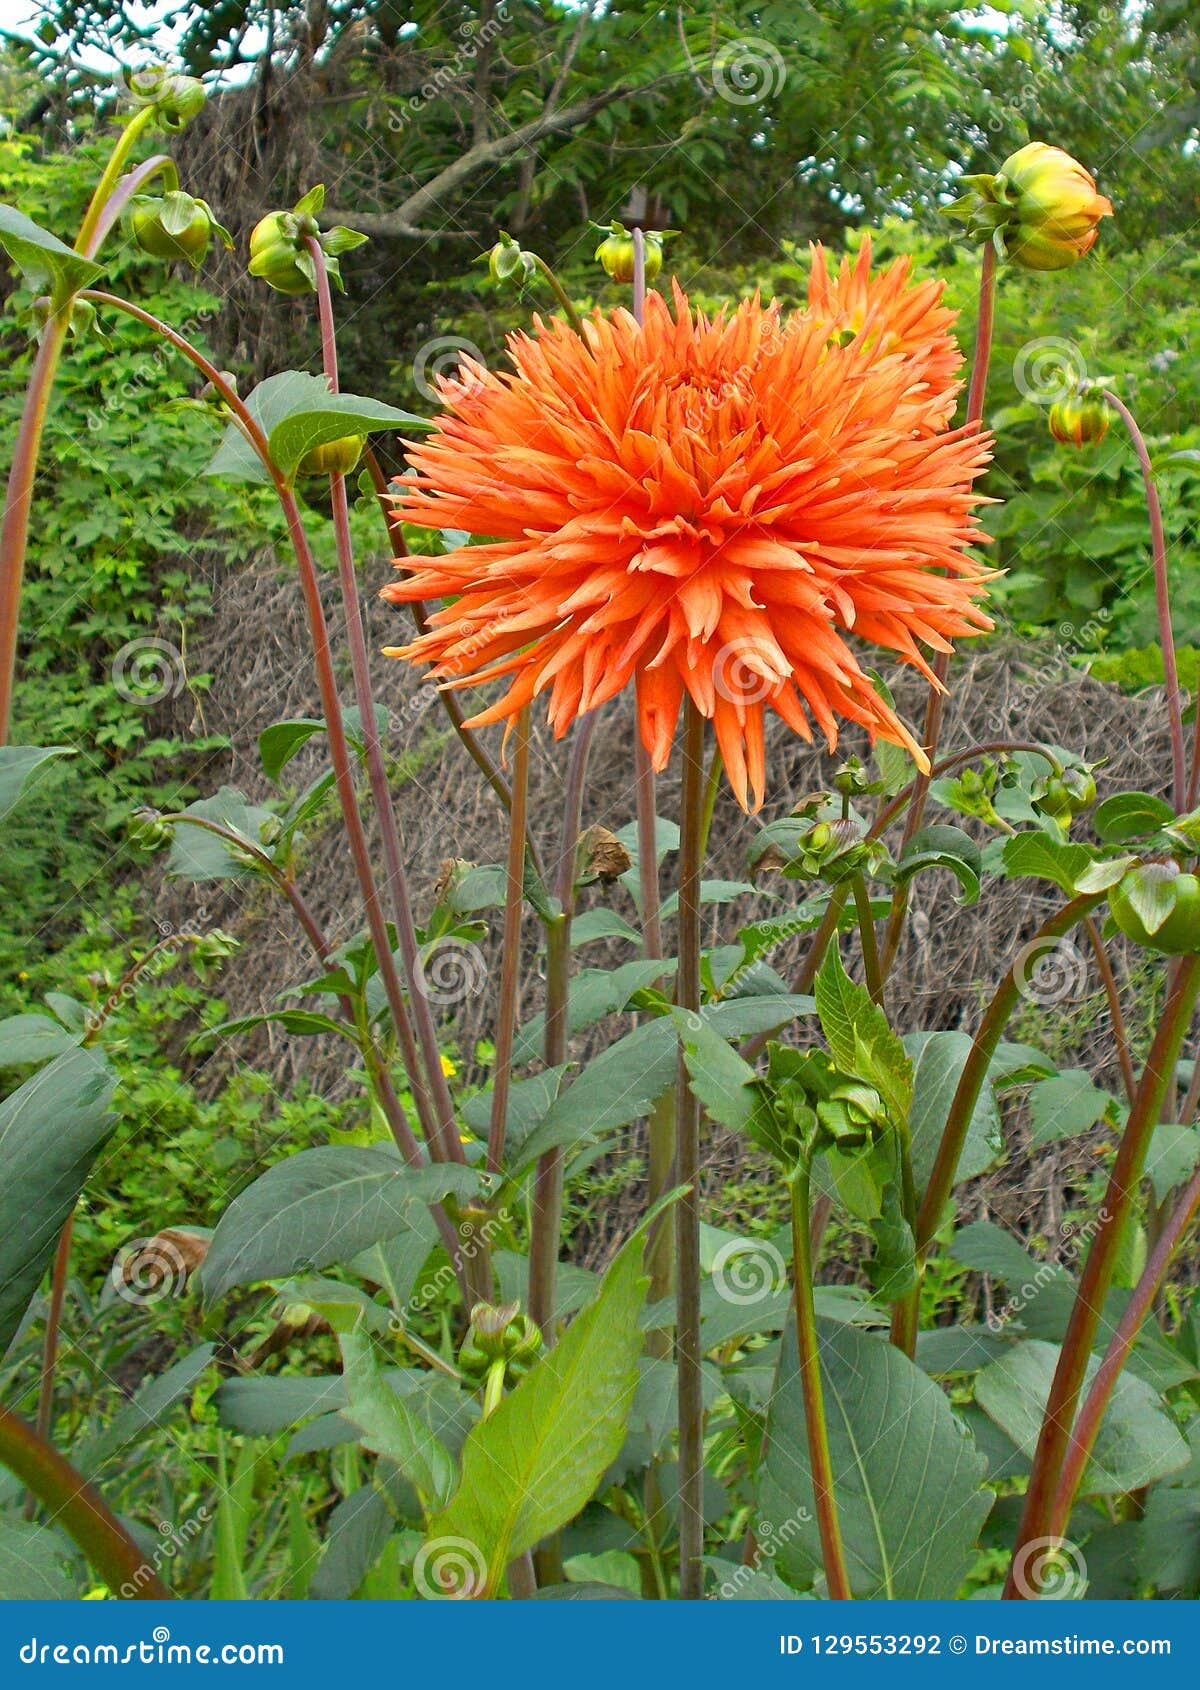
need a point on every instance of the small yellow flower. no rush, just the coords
(449, 1067)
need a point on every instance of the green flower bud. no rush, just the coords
(335, 457)
(509, 262)
(175, 227)
(176, 99)
(1041, 205)
(280, 254)
(616, 252)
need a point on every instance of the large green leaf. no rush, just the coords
(297, 413)
(45, 263)
(50, 1131)
(18, 763)
(1137, 1442)
(907, 1476)
(156, 1397)
(595, 993)
(32, 1038)
(320, 1206)
(531, 1466)
(199, 854)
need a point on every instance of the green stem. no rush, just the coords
(688, 1354)
(1096, 1279)
(833, 1554)
(79, 1508)
(126, 141)
(866, 933)
(561, 294)
(962, 1107)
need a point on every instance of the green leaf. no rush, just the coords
(263, 1407)
(1130, 815)
(595, 993)
(1035, 856)
(198, 854)
(1137, 1442)
(942, 846)
(32, 1038)
(35, 1564)
(528, 1101)
(17, 765)
(303, 1022)
(1066, 1105)
(531, 1466)
(1174, 1152)
(860, 1038)
(320, 1206)
(297, 412)
(358, 1528)
(624, 1081)
(602, 923)
(50, 1131)
(44, 262)
(938, 1059)
(724, 1083)
(279, 743)
(907, 1477)
(389, 1426)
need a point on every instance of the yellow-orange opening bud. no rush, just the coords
(1081, 420)
(1042, 205)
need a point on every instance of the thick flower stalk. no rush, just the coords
(706, 506)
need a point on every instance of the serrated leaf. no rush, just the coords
(1068, 1104)
(533, 1464)
(724, 1083)
(1034, 855)
(388, 1425)
(860, 1038)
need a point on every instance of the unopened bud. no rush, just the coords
(175, 227)
(1081, 420)
(616, 252)
(176, 99)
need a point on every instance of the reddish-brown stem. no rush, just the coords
(688, 1354)
(1150, 1283)
(1115, 1013)
(1096, 1279)
(1162, 598)
(397, 878)
(510, 962)
(14, 534)
(75, 1505)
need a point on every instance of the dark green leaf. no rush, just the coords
(17, 764)
(1130, 815)
(45, 263)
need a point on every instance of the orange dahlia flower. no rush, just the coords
(705, 505)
